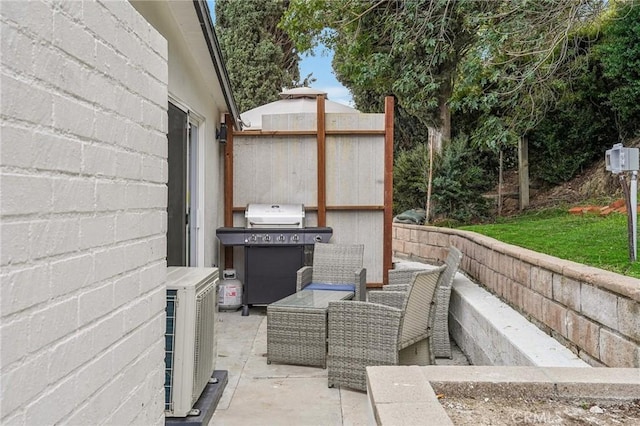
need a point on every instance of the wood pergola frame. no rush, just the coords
(321, 208)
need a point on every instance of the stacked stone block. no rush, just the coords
(593, 312)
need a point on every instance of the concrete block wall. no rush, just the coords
(490, 332)
(83, 171)
(593, 312)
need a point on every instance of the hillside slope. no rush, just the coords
(594, 185)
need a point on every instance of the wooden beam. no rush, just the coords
(228, 187)
(277, 133)
(388, 188)
(355, 208)
(354, 132)
(228, 174)
(322, 160)
(240, 209)
(337, 132)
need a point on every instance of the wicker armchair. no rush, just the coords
(399, 280)
(335, 267)
(362, 334)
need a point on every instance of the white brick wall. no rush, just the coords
(82, 206)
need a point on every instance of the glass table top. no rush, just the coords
(313, 298)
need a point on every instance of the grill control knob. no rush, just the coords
(295, 238)
(267, 238)
(253, 238)
(281, 237)
(318, 238)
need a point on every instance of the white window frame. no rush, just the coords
(197, 200)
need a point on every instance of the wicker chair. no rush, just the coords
(335, 267)
(399, 280)
(362, 334)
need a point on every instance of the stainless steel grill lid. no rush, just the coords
(274, 216)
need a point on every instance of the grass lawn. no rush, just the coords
(590, 239)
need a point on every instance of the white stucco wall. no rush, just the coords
(194, 85)
(83, 214)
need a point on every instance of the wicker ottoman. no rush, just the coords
(297, 327)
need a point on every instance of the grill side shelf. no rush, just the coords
(231, 236)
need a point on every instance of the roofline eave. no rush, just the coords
(208, 30)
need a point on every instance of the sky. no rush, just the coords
(320, 66)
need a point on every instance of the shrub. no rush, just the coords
(459, 181)
(410, 178)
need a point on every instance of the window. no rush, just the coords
(184, 181)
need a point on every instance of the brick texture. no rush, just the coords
(616, 350)
(585, 333)
(83, 184)
(599, 305)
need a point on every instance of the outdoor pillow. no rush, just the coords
(335, 287)
(413, 216)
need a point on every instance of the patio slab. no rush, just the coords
(258, 393)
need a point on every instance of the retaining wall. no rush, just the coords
(593, 312)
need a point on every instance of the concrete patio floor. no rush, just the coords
(261, 394)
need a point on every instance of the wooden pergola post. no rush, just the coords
(388, 188)
(322, 161)
(228, 188)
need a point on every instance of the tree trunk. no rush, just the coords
(437, 137)
(442, 133)
(445, 123)
(500, 181)
(523, 171)
(429, 181)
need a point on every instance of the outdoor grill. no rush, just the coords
(276, 244)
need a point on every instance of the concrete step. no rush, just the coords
(490, 332)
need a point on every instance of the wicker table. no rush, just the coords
(297, 327)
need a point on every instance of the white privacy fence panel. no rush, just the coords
(355, 170)
(301, 121)
(280, 164)
(362, 227)
(270, 169)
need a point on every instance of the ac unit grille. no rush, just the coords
(204, 357)
(169, 354)
(190, 348)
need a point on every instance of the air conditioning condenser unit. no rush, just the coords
(190, 337)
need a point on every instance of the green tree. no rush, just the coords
(577, 129)
(527, 57)
(408, 49)
(460, 180)
(260, 58)
(596, 107)
(619, 53)
(496, 61)
(510, 78)
(410, 178)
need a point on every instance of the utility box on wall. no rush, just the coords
(620, 159)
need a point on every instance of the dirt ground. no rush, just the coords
(499, 412)
(592, 185)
